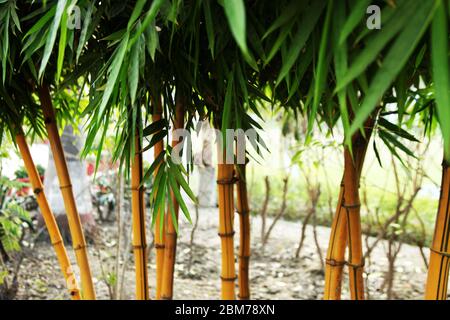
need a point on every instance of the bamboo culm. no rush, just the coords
(439, 265)
(242, 208)
(159, 238)
(138, 222)
(225, 181)
(171, 235)
(73, 218)
(346, 226)
(49, 219)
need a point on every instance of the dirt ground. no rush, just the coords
(274, 273)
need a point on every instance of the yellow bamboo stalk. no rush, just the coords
(73, 218)
(438, 269)
(346, 226)
(335, 260)
(159, 239)
(49, 219)
(225, 183)
(242, 208)
(351, 206)
(171, 235)
(138, 222)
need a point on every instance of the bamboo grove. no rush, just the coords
(163, 65)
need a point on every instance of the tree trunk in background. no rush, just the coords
(159, 239)
(72, 145)
(207, 193)
(225, 181)
(243, 210)
(65, 184)
(171, 235)
(49, 219)
(439, 265)
(346, 226)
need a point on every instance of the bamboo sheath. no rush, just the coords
(159, 238)
(346, 226)
(171, 235)
(138, 222)
(225, 183)
(243, 210)
(73, 218)
(438, 270)
(49, 219)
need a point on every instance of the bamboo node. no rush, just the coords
(243, 257)
(159, 246)
(65, 187)
(243, 297)
(226, 234)
(37, 191)
(335, 263)
(356, 265)
(139, 246)
(228, 279)
(48, 120)
(227, 181)
(79, 247)
(445, 164)
(58, 242)
(243, 212)
(441, 253)
(351, 206)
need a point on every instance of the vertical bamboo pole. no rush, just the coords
(159, 239)
(49, 219)
(336, 252)
(438, 269)
(138, 222)
(243, 210)
(346, 226)
(351, 206)
(73, 218)
(225, 181)
(171, 235)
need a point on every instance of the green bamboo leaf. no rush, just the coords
(374, 45)
(136, 13)
(394, 61)
(61, 45)
(41, 22)
(113, 72)
(440, 67)
(321, 74)
(341, 65)
(153, 167)
(355, 17)
(86, 23)
(235, 12)
(172, 213)
(174, 169)
(133, 71)
(306, 26)
(149, 17)
(160, 199)
(155, 127)
(392, 139)
(286, 16)
(209, 26)
(227, 107)
(176, 191)
(155, 139)
(396, 129)
(50, 41)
